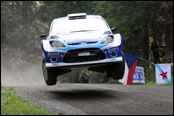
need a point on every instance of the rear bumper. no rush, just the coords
(71, 65)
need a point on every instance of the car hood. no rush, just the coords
(78, 37)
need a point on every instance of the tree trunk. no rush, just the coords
(146, 41)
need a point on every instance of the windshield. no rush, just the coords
(79, 25)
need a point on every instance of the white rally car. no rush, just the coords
(81, 40)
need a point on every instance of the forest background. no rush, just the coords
(139, 22)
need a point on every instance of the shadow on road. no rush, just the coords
(87, 94)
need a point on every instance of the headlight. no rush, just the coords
(57, 44)
(108, 39)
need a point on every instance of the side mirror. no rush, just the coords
(43, 36)
(113, 29)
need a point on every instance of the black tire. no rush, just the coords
(116, 70)
(50, 75)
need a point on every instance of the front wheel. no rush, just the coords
(50, 75)
(116, 70)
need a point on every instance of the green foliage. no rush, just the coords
(14, 105)
(137, 21)
(154, 84)
(149, 70)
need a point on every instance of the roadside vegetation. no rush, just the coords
(14, 105)
(154, 84)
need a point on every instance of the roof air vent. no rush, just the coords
(77, 16)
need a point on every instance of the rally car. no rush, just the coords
(81, 40)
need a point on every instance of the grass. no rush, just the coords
(154, 84)
(14, 105)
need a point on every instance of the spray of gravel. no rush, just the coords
(16, 72)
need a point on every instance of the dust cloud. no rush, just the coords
(16, 72)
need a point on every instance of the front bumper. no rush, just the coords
(99, 62)
(101, 57)
(67, 57)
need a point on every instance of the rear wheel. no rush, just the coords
(116, 70)
(50, 75)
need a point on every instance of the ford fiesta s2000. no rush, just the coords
(81, 40)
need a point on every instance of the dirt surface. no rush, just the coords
(101, 99)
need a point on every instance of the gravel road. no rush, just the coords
(101, 99)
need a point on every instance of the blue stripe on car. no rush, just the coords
(60, 55)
